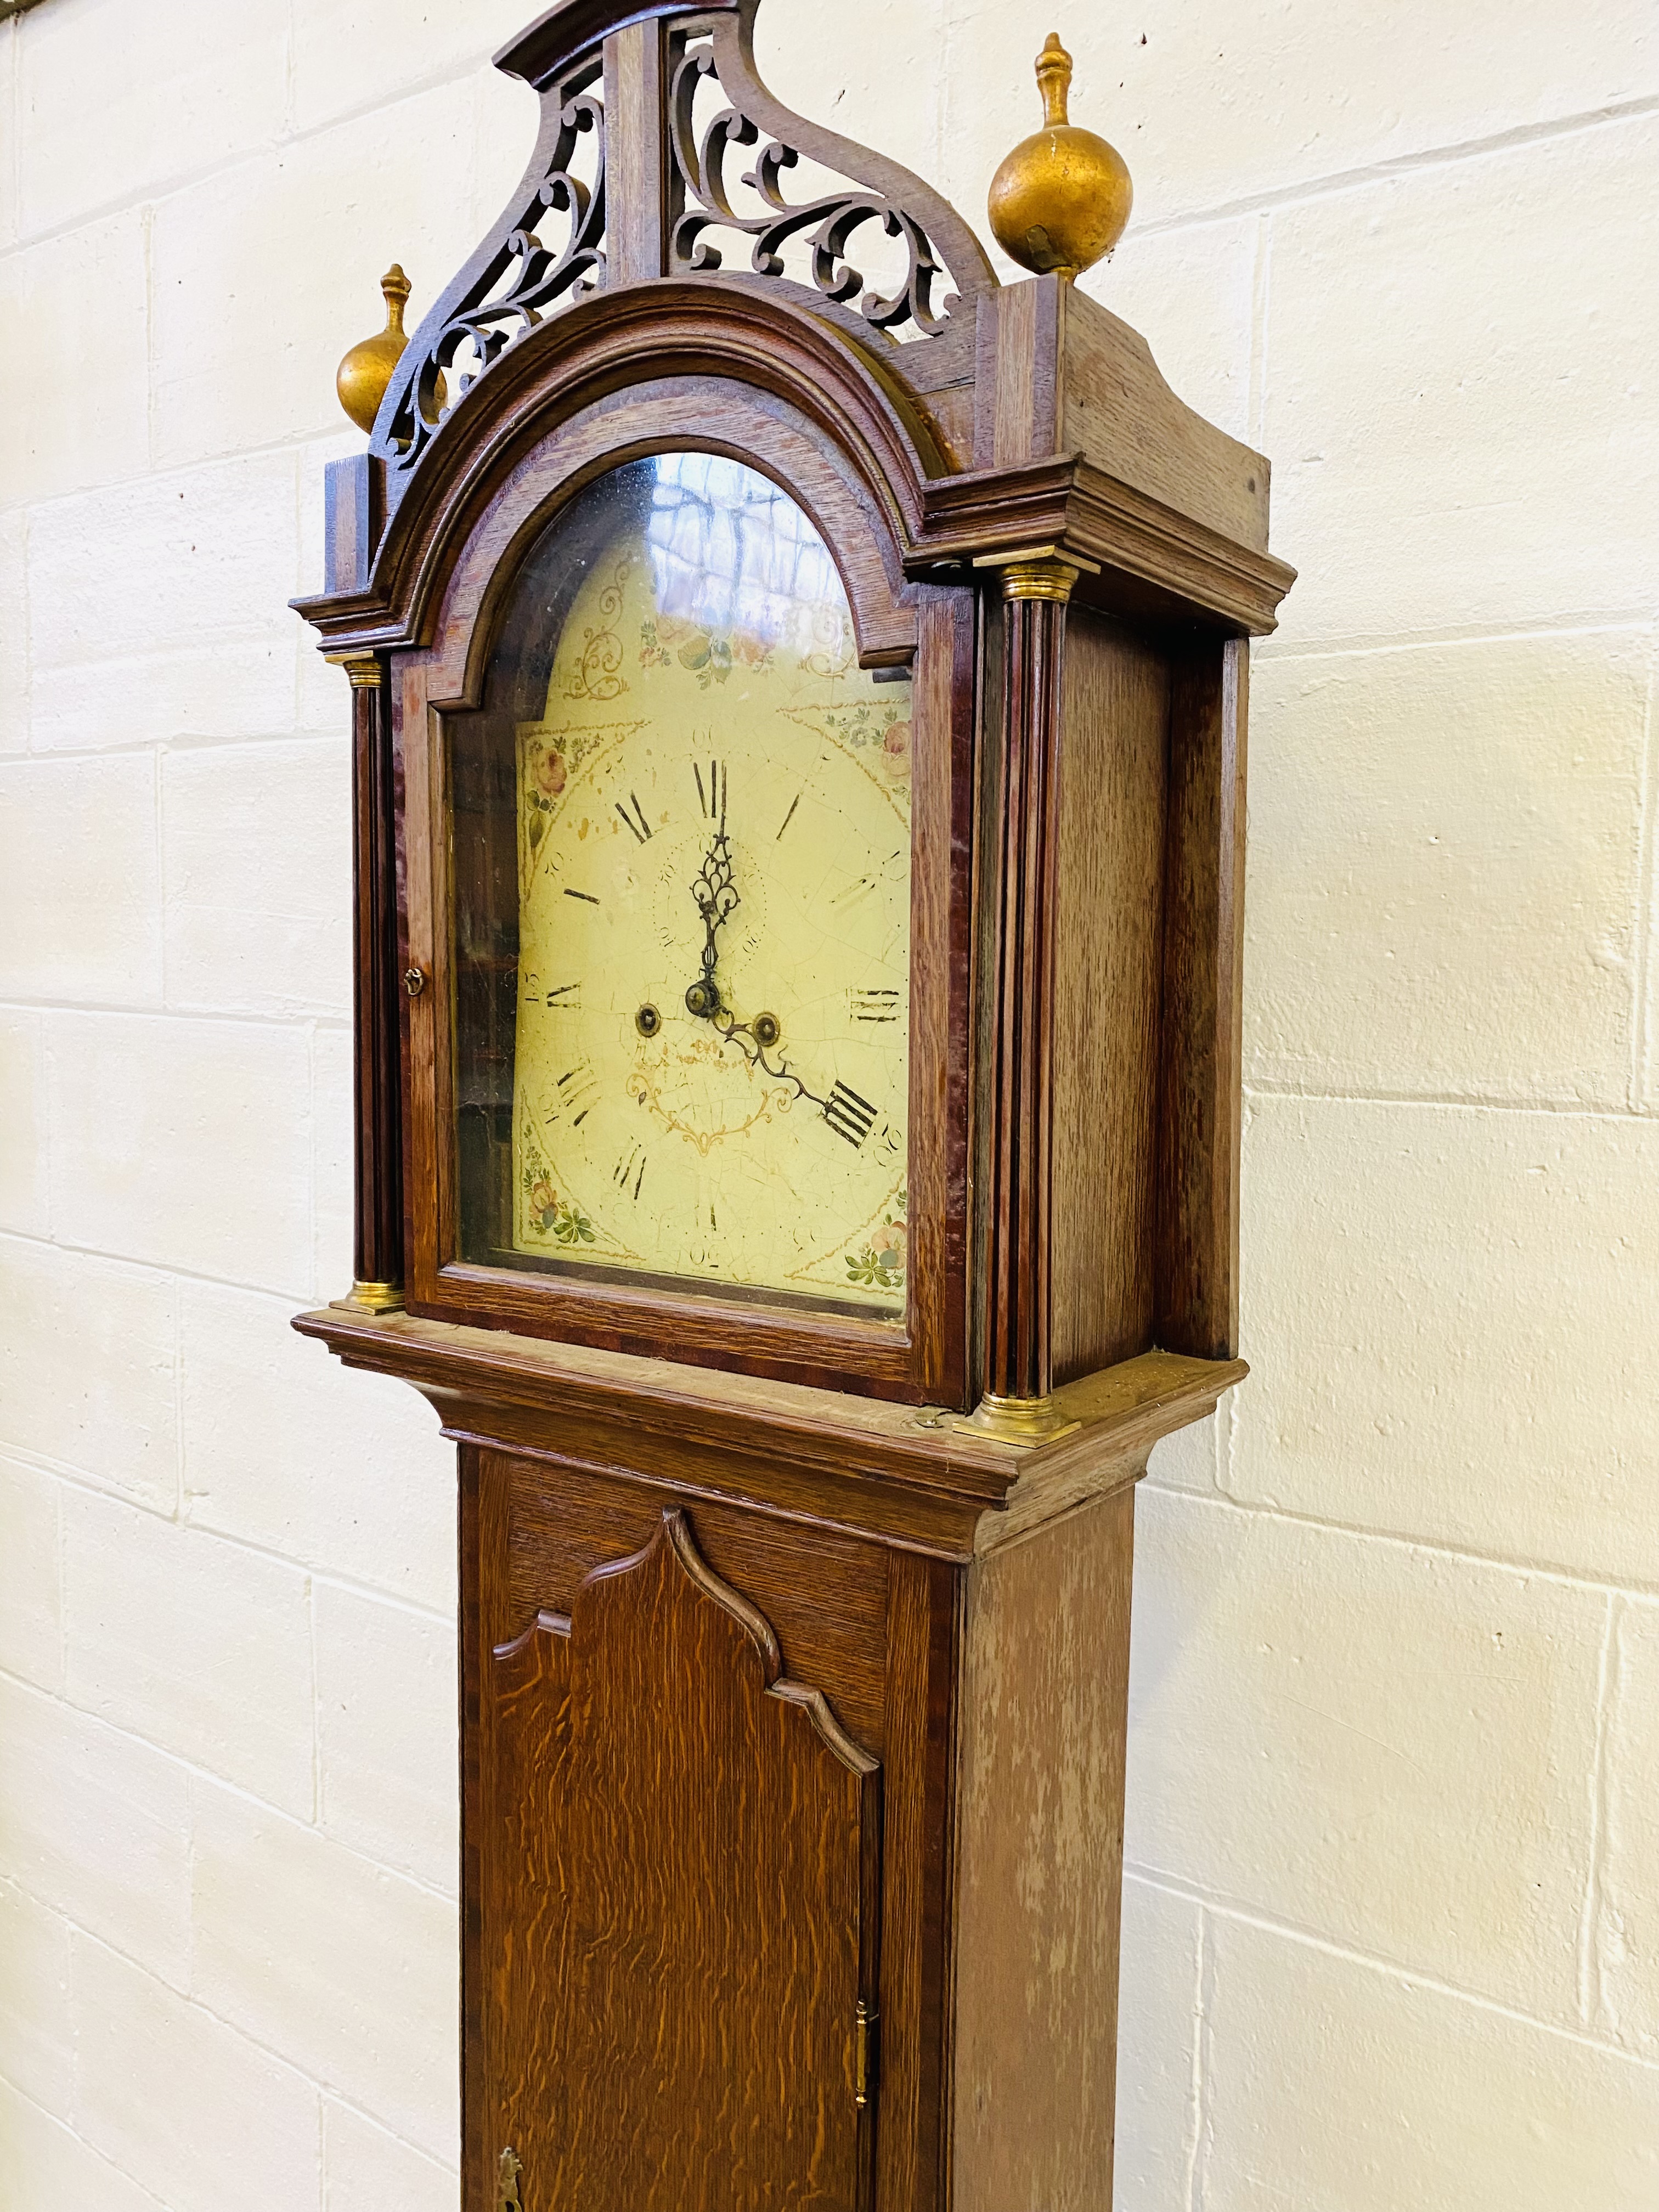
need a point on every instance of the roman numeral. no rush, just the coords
(711, 795)
(624, 1172)
(861, 889)
(575, 1093)
(635, 821)
(850, 1115)
(588, 896)
(878, 1006)
(790, 815)
(562, 998)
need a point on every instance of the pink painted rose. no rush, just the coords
(895, 751)
(543, 1196)
(549, 772)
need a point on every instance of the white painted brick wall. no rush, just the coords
(1390, 1938)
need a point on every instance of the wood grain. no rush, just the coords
(376, 1118)
(1045, 1678)
(1021, 882)
(636, 167)
(818, 1454)
(1108, 898)
(824, 1593)
(1155, 555)
(1200, 1074)
(681, 1899)
(922, 1657)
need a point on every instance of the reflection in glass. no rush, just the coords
(682, 844)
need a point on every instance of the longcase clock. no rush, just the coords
(799, 693)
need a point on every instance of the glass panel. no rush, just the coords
(681, 840)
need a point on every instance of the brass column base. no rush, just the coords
(372, 1299)
(1020, 1420)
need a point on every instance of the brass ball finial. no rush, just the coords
(1061, 199)
(363, 375)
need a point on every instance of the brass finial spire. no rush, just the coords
(363, 375)
(1061, 199)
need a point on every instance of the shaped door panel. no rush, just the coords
(680, 1928)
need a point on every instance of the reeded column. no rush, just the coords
(378, 1240)
(1018, 1403)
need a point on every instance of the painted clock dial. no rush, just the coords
(711, 1044)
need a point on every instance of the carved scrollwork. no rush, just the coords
(831, 219)
(513, 278)
(669, 201)
(878, 194)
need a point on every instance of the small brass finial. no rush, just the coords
(363, 375)
(1061, 199)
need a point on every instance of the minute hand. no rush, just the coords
(850, 1116)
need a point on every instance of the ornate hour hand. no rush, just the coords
(716, 894)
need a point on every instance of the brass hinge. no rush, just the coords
(507, 2169)
(864, 2055)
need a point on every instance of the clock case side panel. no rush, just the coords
(933, 628)
(1145, 1079)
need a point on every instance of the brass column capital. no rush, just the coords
(363, 668)
(1038, 572)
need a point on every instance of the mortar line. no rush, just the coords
(1261, 302)
(1258, 1086)
(152, 359)
(1222, 1907)
(1589, 1976)
(1403, 165)
(161, 1269)
(186, 742)
(1584, 621)
(316, 1705)
(104, 1009)
(158, 189)
(27, 656)
(180, 1492)
(318, 2083)
(193, 1771)
(347, 2104)
(332, 1578)
(72, 2129)
(1647, 890)
(1537, 1569)
(1197, 2085)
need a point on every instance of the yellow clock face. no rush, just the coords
(711, 1066)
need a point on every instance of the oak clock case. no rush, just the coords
(799, 711)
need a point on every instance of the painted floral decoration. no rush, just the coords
(567, 1223)
(896, 751)
(880, 1265)
(711, 655)
(885, 727)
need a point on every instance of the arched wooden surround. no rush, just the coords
(826, 433)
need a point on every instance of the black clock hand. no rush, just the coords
(716, 895)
